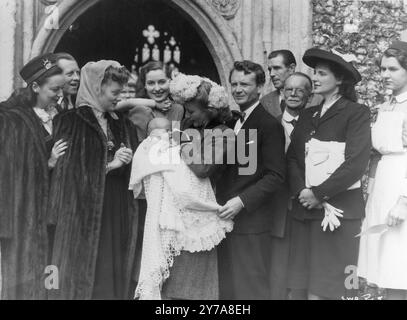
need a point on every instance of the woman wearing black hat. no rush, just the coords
(27, 154)
(382, 257)
(328, 155)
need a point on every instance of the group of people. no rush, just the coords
(173, 195)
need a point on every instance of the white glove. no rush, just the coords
(331, 217)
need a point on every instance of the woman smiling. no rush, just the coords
(28, 153)
(89, 201)
(153, 99)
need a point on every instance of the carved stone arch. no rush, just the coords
(214, 30)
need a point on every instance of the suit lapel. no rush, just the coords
(332, 111)
(316, 117)
(272, 103)
(276, 103)
(252, 118)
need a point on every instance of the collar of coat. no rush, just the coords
(116, 124)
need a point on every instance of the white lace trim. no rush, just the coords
(181, 216)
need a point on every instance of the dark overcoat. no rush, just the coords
(345, 121)
(24, 185)
(76, 200)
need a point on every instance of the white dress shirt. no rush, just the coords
(239, 124)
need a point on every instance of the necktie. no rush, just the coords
(293, 123)
(239, 115)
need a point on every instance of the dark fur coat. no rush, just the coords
(24, 176)
(76, 200)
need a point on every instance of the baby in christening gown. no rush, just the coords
(182, 212)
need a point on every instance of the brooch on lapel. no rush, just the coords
(315, 114)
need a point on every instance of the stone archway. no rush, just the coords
(212, 27)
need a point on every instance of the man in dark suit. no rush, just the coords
(252, 200)
(282, 64)
(297, 92)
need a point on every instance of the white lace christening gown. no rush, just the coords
(182, 213)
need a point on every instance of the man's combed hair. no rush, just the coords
(63, 56)
(288, 56)
(303, 75)
(120, 75)
(250, 67)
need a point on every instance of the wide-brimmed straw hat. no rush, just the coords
(313, 56)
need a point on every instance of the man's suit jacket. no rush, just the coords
(347, 122)
(271, 102)
(264, 208)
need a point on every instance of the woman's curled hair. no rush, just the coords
(202, 97)
(120, 75)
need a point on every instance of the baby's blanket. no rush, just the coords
(182, 213)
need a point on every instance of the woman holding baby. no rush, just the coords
(193, 273)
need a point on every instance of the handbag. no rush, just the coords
(322, 159)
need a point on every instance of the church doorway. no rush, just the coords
(134, 32)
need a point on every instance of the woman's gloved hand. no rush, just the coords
(331, 217)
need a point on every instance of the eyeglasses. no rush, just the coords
(296, 91)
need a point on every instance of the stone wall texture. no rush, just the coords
(363, 29)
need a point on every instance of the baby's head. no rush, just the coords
(158, 127)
